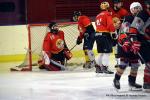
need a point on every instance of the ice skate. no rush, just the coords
(146, 87)
(116, 84)
(89, 65)
(98, 69)
(106, 70)
(135, 87)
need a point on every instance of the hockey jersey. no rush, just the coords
(83, 22)
(121, 13)
(53, 43)
(104, 22)
(141, 25)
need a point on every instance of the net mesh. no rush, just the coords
(37, 32)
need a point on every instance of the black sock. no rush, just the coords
(117, 77)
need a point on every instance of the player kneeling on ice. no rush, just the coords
(55, 50)
(129, 46)
(87, 32)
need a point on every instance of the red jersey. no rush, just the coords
(120, 13)
(104, 22)
(83, 22)
(53, 43)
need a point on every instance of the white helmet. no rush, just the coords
(135, 4)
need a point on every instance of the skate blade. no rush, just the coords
(120, 90)
(103, 75)
(146, 90)
(117, 90)
(134, 89)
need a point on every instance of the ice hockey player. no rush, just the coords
(118, 13)
(104, 31)
(55, 50)
(118, 10)
(140, 35)
(87, 32)
(130, 46)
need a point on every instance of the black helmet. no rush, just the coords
(75, 15)
(51, 27)
(116, 1)
(51, 24)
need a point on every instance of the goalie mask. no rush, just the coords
(104, 6)
(76, 14)
(53, 27)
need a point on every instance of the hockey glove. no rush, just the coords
(79, 41)
(135, 47)
(126, 46)
(68, 54)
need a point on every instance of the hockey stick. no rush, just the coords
(73, 47)
(58, 64)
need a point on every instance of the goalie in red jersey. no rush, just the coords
(55, 50)
(87, 33)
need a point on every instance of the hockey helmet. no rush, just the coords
(75, 15)
(51, 24)
(53, 27)
(116, 1)
(134, 5)
(104, 5)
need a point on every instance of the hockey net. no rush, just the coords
(36, 34)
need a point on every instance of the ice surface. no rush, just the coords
(83, 85)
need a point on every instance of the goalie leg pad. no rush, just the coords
(55, 66)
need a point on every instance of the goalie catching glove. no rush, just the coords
(68, 54)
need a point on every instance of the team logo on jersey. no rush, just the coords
(60, 43)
